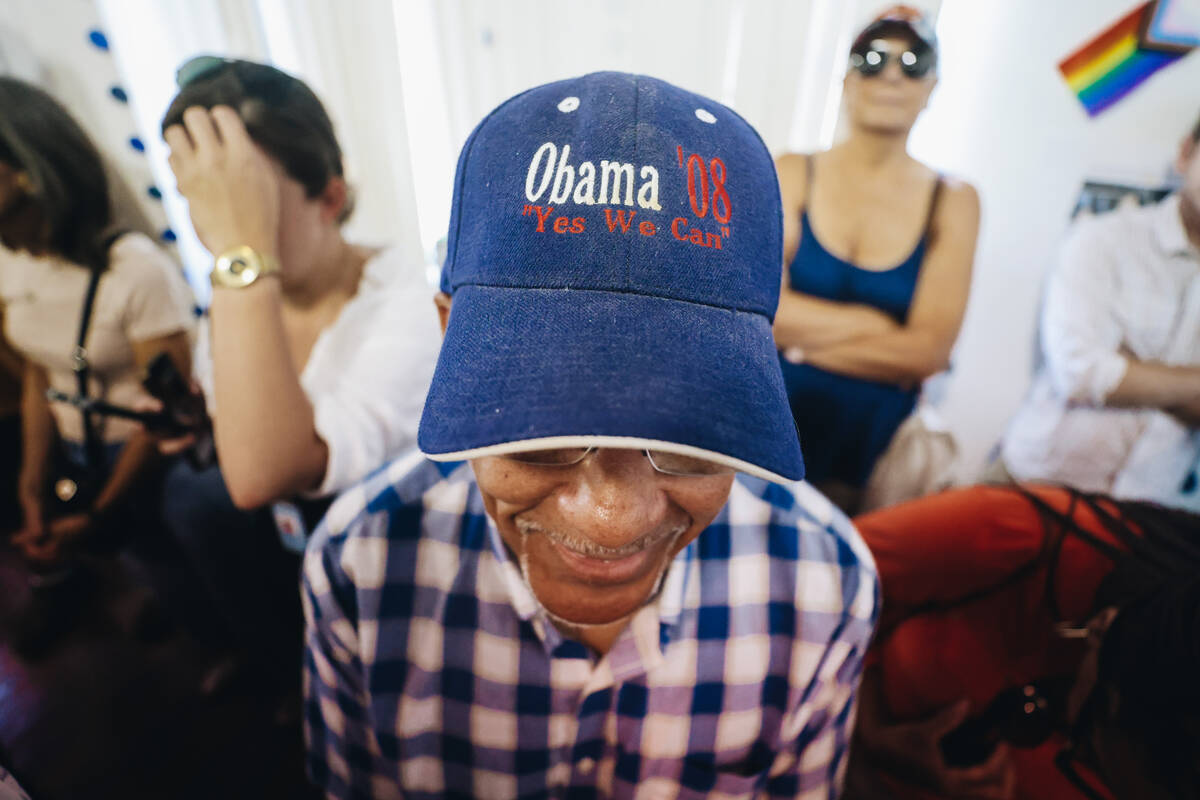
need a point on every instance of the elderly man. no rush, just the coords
(596, 603)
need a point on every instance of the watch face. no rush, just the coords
(240, 268)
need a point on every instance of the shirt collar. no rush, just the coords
(1168, 228)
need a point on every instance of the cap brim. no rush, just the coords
(524, 369)
(901, 28)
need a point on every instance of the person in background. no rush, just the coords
(878, 250)
(1115, 406)
(12, 367)
(55, 208)
(576, 595)
(318, 351)
(983, 681)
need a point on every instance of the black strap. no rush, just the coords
(91, 438)
(933, 204)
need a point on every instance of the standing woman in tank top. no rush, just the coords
(878, 249)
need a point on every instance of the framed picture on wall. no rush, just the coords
(1097, 197)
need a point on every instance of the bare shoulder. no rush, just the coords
(792, 169)
(792, 163)
(959, 197)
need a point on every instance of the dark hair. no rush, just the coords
(281, 114)
(1196, 132)
(70, 187)
(1150, 660)
(1150, 656)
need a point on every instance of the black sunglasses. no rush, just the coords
(915, 64)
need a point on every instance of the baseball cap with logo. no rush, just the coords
(614, 257)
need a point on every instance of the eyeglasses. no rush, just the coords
(872, 61)
(667, 463)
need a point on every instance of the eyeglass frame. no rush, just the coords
(587, 451)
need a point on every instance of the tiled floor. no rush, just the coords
(104, 715)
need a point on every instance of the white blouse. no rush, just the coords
(368, 372)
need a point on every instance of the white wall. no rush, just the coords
(1003, 117)
(47, 43)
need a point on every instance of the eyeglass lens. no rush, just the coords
(667, 463)
(875, 59)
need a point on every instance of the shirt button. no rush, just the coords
(586, 765)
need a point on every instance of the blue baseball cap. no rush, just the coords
(614, 256)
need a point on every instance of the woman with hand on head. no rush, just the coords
(318, 351)
(55, 207)
(878, 250)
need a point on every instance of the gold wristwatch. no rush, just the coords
(240, 267)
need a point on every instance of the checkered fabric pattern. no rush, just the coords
(432, 671)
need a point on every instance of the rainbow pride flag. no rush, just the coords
(1116, 62)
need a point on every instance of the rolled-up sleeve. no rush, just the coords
(1081, 333)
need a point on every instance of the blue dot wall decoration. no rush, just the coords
(168, 236)
(118, 94)
(97, 37)
(154, 192)
(137, 144)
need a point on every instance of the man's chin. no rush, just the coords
(591, 596)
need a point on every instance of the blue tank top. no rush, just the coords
(846, 423)
(816, 271)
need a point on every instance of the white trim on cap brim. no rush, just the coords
(616, 442)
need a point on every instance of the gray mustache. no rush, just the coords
(586, 547)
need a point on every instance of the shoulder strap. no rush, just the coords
(933, 203)
(91, 439)
(79, 357)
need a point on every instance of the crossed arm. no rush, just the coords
(864, 342)
(1084, 341)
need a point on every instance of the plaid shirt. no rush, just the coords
(432, 671)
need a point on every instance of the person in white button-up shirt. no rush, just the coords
(1115, 407)
(314, 373)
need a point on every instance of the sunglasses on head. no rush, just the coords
(260, 80)
(199, 67)
(914, 63)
